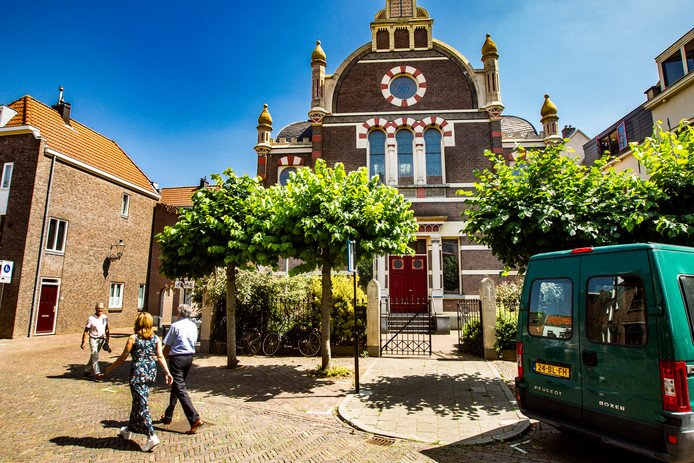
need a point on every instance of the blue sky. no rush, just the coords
(179, 84)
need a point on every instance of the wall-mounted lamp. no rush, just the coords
(117, 250)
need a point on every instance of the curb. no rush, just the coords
(519, 428)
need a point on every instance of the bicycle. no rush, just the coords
(308, 341)
(248, 343)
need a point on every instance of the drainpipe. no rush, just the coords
(37, 287)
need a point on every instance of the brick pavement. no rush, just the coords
(266, 410)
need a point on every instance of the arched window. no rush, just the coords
(404, 139)
(432, 143)
(377, 155)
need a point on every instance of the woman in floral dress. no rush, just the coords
(145, 348)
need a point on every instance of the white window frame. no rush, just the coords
(141, 296)
(115, 301)
(125, 206)
(9, 166)
(54, 246)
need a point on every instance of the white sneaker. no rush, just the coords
(151, 443)
(127, 435)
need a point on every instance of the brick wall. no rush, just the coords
(92, 207)
(23, 151)
(360, 89)
(164, 215)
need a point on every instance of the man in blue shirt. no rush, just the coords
(179, 348)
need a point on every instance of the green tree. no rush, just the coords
(318, 210)
(547, 202)
(222, 229)
(669, 161)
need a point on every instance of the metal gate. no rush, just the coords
(470, 326)
(407, 331)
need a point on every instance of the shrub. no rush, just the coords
(472, 338)
(506, 332)
(342, 312)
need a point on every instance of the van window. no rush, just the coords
(615, 310)
(550, 308)
(687, 285)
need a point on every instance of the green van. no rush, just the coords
(606, 346)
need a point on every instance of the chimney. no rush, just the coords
(567, 130)
(62, 107)
(203, 183)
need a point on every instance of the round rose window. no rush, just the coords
(403, 87)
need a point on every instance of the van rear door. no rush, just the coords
(551, 354)
(619, 349)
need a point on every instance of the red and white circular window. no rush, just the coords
(403, 86)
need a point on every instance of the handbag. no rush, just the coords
(106, 347)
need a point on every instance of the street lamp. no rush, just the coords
(117, 250)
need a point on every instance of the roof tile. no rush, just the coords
(78, 141)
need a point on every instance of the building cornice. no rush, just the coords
(670, 92)
(20, 129)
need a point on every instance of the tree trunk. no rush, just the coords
(232, 361)
(326, 301)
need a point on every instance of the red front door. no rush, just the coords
(45, 323)
(408, 284)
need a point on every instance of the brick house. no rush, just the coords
(417, 113)
(164, 295)
(75, 220)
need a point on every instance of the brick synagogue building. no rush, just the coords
(419, 115)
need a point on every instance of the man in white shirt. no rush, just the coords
(179, 348)
(97, 329)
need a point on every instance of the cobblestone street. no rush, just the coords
(266, 410)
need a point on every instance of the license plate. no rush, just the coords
(551, 370)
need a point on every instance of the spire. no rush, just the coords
(317, 111)
(548, 108)
(549, 121)
(265, 120)
(318, 55)
(264, 131)
(489, 49)
(490, 56)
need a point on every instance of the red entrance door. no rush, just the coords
(408, 284)
(45, 324)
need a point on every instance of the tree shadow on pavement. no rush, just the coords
(464, 396)
(251, 383)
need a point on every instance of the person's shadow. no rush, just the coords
(116, 442)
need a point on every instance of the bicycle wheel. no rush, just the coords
(253, 345)
(218, 347)
(309, 345)
(247, 342)
(271, 344)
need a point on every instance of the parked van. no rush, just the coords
(606, 346)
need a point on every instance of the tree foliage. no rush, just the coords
(318, 210)
(222, 229)
(547, 201)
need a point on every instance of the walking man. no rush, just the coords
(179, 348)
(97, 329)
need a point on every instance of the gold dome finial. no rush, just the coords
(548, 108)
(318, 55)
(265, 118)
(489, 49)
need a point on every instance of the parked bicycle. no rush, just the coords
(248, 342)
(307, 340)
